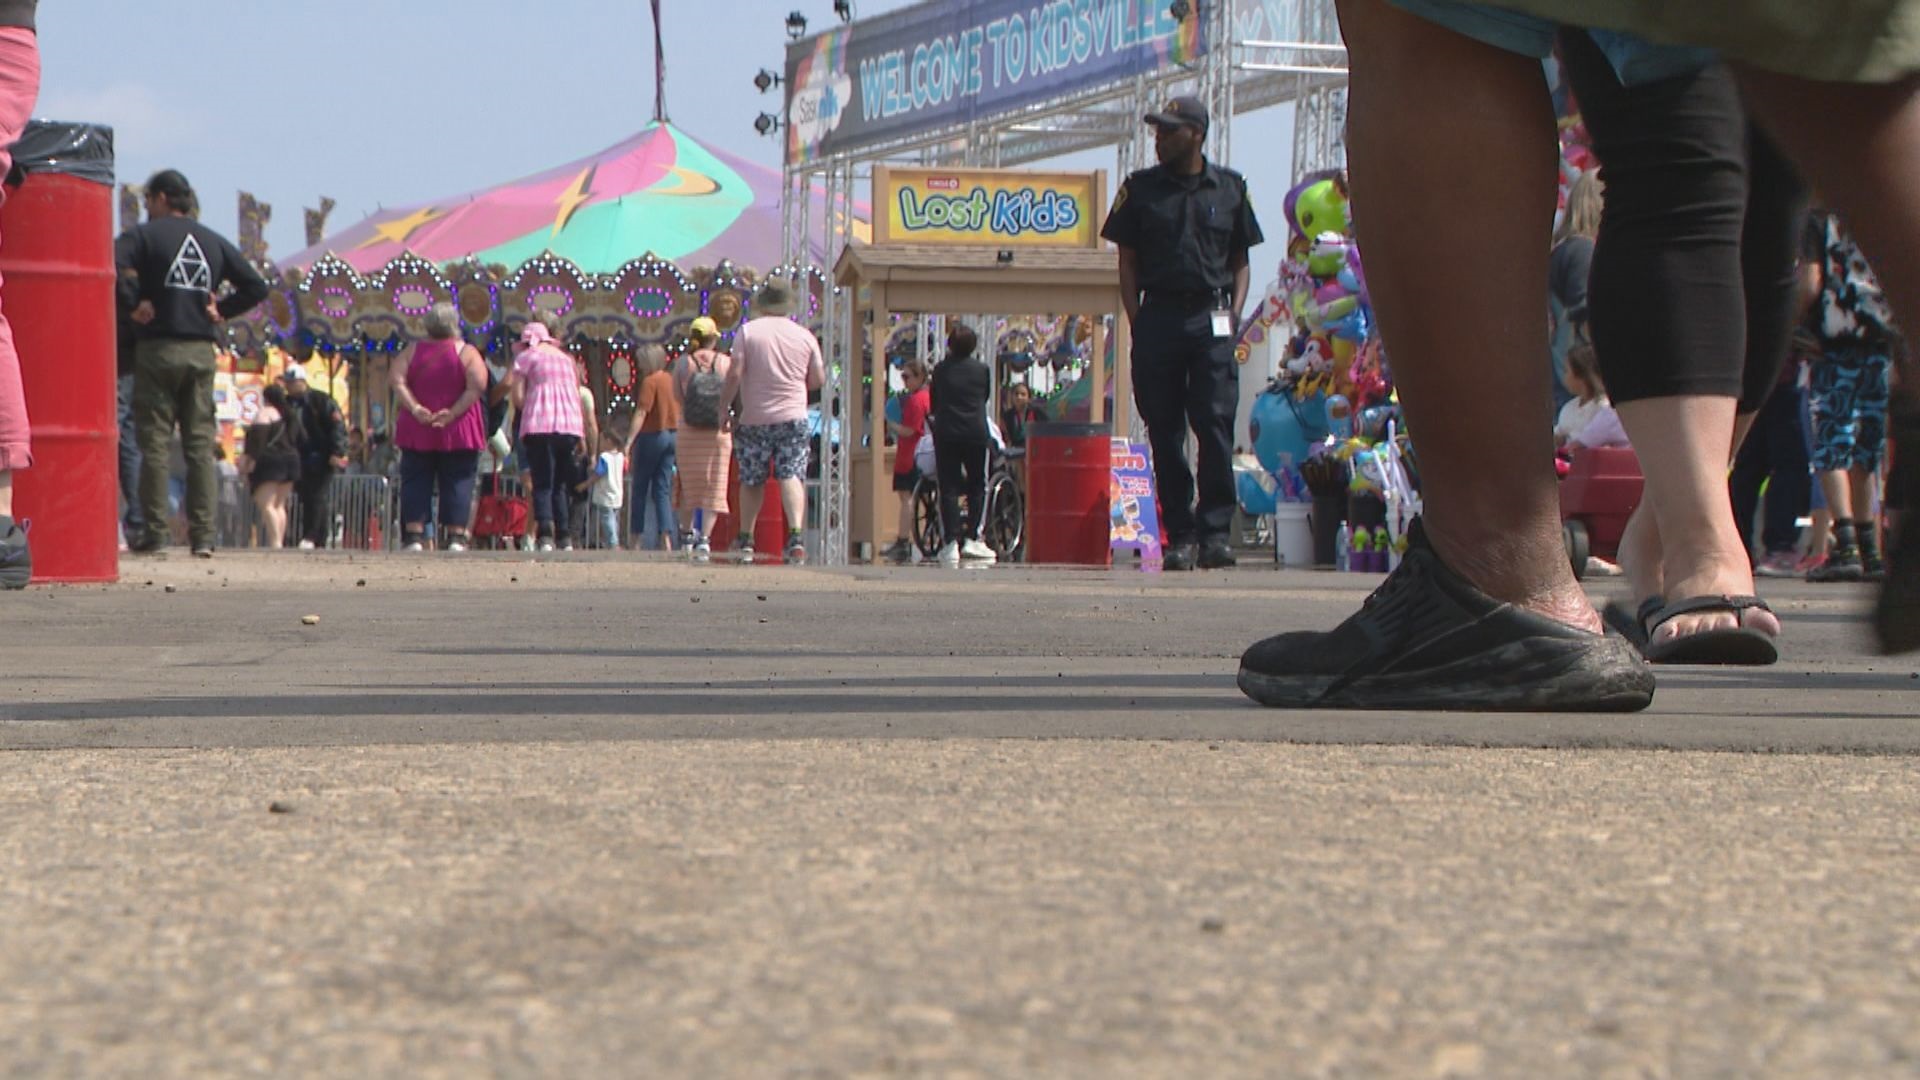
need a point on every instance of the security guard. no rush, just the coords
(1184, 228)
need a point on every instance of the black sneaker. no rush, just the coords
(146, 545)
(1178, 557)
(1842, 565)
(16, 559)
(900, 553)
(1427, 639)
(1216, 555)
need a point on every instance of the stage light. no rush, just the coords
(766, 80)
(766, 123)
(1180, 9)
(796, 25)
(844, 9)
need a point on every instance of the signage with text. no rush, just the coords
(987, 207)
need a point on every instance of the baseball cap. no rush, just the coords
(1184, 109)
(703, 327)
(294, 373)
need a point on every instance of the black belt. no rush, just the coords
(1189, 300)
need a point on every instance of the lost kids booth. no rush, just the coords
(963, 243)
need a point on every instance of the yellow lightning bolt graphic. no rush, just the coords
(578, 194)
(399, 229)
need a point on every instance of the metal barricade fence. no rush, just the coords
(365, 512)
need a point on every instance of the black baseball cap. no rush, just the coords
(1184, 109)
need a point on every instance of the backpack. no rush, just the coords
(701, 407)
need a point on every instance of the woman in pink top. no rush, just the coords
(439, 428)
(19, 86)
(546, 389)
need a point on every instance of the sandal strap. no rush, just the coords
(1692, 604)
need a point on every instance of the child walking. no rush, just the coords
(609, 489)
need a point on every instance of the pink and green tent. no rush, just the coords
(660, 191)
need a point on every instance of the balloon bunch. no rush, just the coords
(1323, 286)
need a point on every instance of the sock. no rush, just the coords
(1863, 536)
(1843, 537)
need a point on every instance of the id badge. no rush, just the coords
(1222, 323)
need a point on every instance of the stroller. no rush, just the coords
(1598, 493)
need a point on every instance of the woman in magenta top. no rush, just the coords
(546, 390)
(439, 427)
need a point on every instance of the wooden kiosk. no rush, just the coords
(972, 241)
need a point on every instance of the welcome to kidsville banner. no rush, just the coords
(948, 62)
(1002, 208)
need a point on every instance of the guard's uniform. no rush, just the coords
(1185, 232)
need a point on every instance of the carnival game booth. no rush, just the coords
(623, 248)
(957, 242)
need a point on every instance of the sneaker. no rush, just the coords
(1872, 566)
(545, 546)
(1216, 555)
(415, 546)
(145, 545)
(796, 550)
(16, 559)
(455, 545)
(1780, 564)
(900, 552)
(201, 551)
(949, 554)
(1178, 557)
(1427, 639)
(975, 551)
(744, 549)
(306, 545)
(702, 551)
(1842, 565)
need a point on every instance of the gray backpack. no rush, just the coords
(701, 407)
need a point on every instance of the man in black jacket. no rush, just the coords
(323, 452)
(170, 269)
(961, 387)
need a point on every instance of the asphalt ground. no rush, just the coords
(586, 815)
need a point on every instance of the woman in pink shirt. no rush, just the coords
(19, 86)
(439, 427)
(546, 390)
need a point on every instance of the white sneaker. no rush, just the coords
(415, 546)
(975, 551)
(546, 546)
(456, 546)
(949, 554)
(703, 552)
(306, 545)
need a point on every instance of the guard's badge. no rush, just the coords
(1119, 200)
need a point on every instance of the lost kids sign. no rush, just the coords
(1000, 208)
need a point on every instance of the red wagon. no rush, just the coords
(1597, 495)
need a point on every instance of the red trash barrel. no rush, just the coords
(56, 255)
(1070, 494)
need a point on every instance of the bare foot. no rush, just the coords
(1717, 571)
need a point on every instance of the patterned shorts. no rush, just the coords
(1848, 404)
(782, 449)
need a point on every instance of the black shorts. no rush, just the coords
(906, 481)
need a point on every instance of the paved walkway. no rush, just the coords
(583, 816)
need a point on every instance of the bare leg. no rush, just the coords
(6, 492)
(793, 501)
(1465, 353)
(751, 499)
(905, 526)
(1835, 485)
(1688, 498)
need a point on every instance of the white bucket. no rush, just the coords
(1292, 535)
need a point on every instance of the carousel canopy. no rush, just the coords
(660, 191)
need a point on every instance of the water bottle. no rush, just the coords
(1343, 548)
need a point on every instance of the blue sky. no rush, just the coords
(399, 101)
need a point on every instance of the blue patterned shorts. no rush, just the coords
(1848, 404)
(784, 450)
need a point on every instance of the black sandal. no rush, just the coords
(1632, 625)
(1740, 645)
